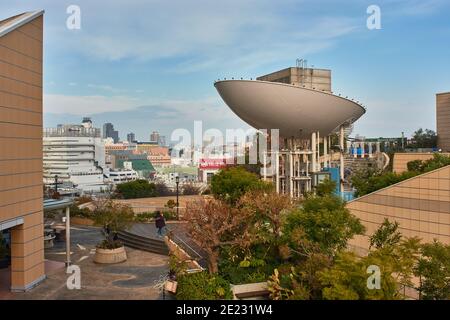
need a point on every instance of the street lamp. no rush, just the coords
(56, 183)
(177, 181)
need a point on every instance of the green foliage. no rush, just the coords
(177, 266)
(135, 189)
(433, 268)
(170, 204)
(424, 139)
(202, 286)
(253, 265)
(386, 234)
(232, 183)
(82, 213)
(347, 279)
(325, 221)
(438, 161)
(326, 187)
(368, 182)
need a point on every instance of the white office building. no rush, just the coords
(75, 154)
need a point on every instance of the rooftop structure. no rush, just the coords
(443, 120)
(297, 102)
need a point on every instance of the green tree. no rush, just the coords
(438, 161)
(424, 139)
(386, 234)
(326, 187)
(135, 189)
(433, 268)
(325, 221)
(232, 183)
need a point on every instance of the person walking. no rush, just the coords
(160, 223)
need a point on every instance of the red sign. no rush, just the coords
(212, 163)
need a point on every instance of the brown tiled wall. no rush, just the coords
(443, 120)
(21, 148)
(421, 205)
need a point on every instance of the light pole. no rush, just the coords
(177, 182)
(56, 184)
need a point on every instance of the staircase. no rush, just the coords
(143, 243)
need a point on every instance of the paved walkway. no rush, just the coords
(137, 278)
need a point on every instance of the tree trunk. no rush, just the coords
(213, 264)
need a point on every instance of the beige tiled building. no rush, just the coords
(401, 160)
(443, 120)
(421, 205)
(21, 206)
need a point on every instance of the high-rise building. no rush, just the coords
(154, 137)
(131, 137)
(109, 132)
(21, 205)
(443, 120)
(76, 154)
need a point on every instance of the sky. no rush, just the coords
(151, 65)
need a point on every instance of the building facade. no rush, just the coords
(131, 137)
(21, 196)
(109, 132)
(318, 79)
(443, 120)
(421, 206)
(76, 155)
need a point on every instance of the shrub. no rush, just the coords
(202, 286)
(232, 183)
(135, 189)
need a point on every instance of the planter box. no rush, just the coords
(110, 256)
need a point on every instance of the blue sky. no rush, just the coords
(150, 65)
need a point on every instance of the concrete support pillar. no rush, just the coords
(291, 174)
(362, 144)
(265, 166)
(27, 253)
(341, 169)
(325, 151)
(318, 167)
(277, 171)
(314, 153)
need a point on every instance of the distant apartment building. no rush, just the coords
(157, 138)
(317, 79)
(443, 120)
(154, 137)
(21, 197)
(158, 156)
(76, 155)
(131, 137)
(109, 132)
(118, 159)
(120, 146)
(125, 174)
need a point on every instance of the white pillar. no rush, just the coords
(325, 151)
(314, 154)
(68, 236)
(265, 166)
(341, 169)
(291, 170)
(277, 171)
(362, 149)
(318, 151)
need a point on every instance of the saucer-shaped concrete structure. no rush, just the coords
(296, 111)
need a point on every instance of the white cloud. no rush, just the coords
(86, 105)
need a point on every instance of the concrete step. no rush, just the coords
(143, 243)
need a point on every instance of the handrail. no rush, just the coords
(172, 234)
